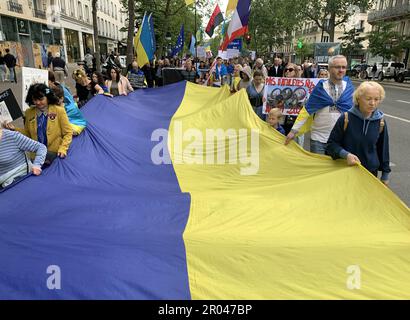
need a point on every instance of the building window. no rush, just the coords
(115, 11)
(80, 11)
(36, 32)
(72, 45)
(57, 36)
(86, 13)
(47, 35)
(325, 39)
(62, 6)
(9, 28)
(72, 8)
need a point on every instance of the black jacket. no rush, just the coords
(273, 73)
(10, 60)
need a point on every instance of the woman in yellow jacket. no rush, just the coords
(46, 122)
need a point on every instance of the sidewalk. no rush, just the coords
(17, 87)
(386, 82)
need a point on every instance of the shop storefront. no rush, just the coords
(88, 42)
(72, 45)
(29, 41)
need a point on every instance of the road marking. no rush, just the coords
(403, 101)
(401, 119)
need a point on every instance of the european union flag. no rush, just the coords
(180, 43)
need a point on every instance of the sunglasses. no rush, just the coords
(290, 70)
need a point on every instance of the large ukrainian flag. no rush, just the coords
(287, 225)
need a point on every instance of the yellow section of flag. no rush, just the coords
(231, 6)
(269, 221)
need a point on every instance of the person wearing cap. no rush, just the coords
(59, 67)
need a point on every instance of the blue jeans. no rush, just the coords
(317, 147)
(12, 74)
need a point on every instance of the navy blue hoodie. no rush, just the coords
(362, 138)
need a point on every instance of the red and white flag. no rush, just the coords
(239, 23)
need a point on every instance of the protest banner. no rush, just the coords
(222, 54)
(9, 108)
(288, 94)
(232, 53)
(201, 52)
(31, 76)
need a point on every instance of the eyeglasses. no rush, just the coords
(290, 70)
(339, 67)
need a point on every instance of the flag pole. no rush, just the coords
(196, 40)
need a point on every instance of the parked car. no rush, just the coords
(403, 75)
(358, 69)
(386, 70)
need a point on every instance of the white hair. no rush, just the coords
(332, 59)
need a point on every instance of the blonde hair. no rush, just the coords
(324, 71)
(363, 87)
(276, 112)
(79, 75)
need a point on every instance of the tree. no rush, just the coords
(271, 23)
(168, 16)
(95, 29)
(328, 14)
(303, 49)
(130, 36)
(351, 43)
(386, 42)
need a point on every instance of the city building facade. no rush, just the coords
(32, 28)
(398, 12)
(28, 31)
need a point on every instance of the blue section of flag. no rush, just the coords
(179, 46)
(244, 11)
(146, 38)
(319, 98)
(151, 26)
(107, 217)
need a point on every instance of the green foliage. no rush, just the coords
(168, 16)
(386, 42)
(305, 50)
(351, 42)
(327, 14)
(270, 22)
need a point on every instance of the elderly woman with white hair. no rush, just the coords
(59, 67)
(261, 67)
(360, 135)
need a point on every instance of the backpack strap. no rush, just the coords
(346, 121)
(381, 127)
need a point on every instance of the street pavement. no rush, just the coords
(396, 107)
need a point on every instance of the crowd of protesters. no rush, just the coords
(345, 123)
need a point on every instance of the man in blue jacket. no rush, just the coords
(220, 72)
